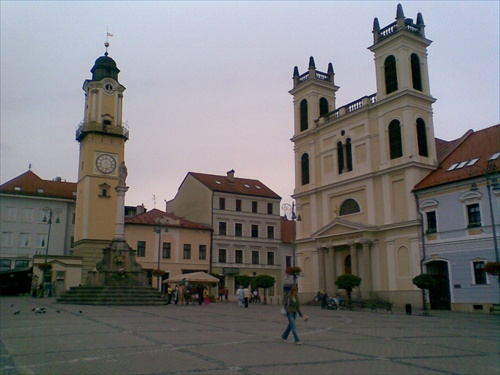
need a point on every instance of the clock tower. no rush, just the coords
(102, 136)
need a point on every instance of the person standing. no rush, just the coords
(240, 296)
(292, 306)
(324, 298)
(246, 296)
(201, 294)
(226, 294)
(206, 296)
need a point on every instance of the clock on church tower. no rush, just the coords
(102, 136)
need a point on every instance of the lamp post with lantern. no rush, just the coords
(160, 224)
(294, 210)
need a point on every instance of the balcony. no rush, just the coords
(85, 128)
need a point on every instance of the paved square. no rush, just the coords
(225, 339)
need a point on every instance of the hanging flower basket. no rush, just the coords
(293, 271)
(158, 273)
(45, 266)
(493, 268)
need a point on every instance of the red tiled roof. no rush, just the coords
(480, 145)
(243, 186)
(150, 217)
(29, 184)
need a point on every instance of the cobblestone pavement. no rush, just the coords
(225, 339)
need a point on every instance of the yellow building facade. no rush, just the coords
(102, 136)
(356, 166)
(169, 243)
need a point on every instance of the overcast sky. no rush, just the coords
(207, 82)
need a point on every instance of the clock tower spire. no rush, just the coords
(102, 136)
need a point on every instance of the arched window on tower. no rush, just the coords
(422, 138)
(348, 154)
(303, 115)
(395, 140)
(344, 156)
(349, 206)
(323, 107)
(415, 72)
(391, 75)
(304, 167)
(340, 156)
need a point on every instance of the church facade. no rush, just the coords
(356, 165)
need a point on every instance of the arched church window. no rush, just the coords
(391, 76)
(304, 166)
(415, 72)
(350, 206)
(422, 138)
(340, 156)
(303, 115)
(395, 140)
(344, 155)
(323, 107)
(348, 154)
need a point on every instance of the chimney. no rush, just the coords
(140, 209)
(230, 176)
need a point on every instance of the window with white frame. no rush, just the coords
(7, 240)
(9, 213)
(429, 210)
(24, 239)
(27, 215)
(479, 274)
(41, 240)
(472, 208)
(473, 215)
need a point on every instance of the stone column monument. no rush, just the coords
(118, 266)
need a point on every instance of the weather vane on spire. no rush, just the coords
(106, 44)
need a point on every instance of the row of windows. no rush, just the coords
(27, 214)
(5, 264)
(24, 240)
(167, 250)
(238, 206)
(238, 230)
(238, 257)
(473, 218)
(344, 150)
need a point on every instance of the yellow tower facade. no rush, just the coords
(102, 136)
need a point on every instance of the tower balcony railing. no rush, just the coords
(349, 108)
(85, 128)
(393, 27)
(318, 75)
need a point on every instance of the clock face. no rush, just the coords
(105, 163)
(109, 87)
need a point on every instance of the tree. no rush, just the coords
(348, 282)
(265, 282)
(243, 280)
(424, 281)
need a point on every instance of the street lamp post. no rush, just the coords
(157, 229)
(491, 182)
(49, 211)
(293, 208)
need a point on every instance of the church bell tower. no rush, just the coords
(102, 136)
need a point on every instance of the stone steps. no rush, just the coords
(112, 295)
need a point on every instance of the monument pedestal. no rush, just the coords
(118, 267)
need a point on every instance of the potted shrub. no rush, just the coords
(293, 271)
(348, 282)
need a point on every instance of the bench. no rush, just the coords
(344, 305)
(495, 307)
